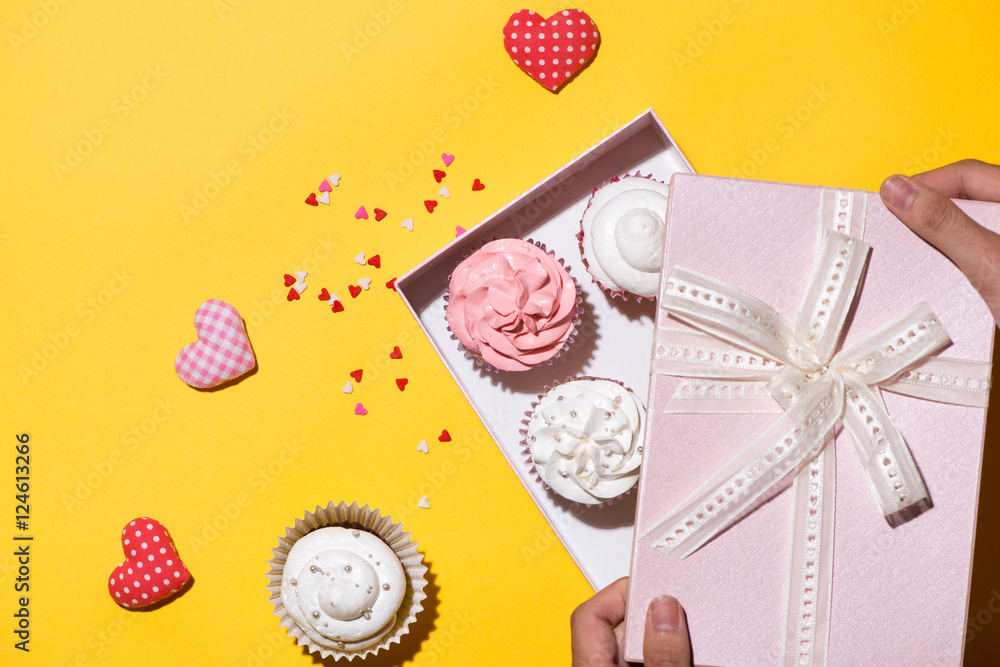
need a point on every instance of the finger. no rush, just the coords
(936, 219)
(967, 179)
(592, 627)
(666, 642)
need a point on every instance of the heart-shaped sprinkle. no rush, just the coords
(391, 284)
(423, 503)
(362, 214)
(347, 388)
(293, 295)
(459, 230)
(447, 159)
(301, 275)
(438, 175)
(324, 198)
(152, 570)
(334, 179)
(360, 258)
(311, 199)
(408, 223)
(396, 353)
(379, 214)
(338, 306)
(551, 50)
(300, 287)
(325, 186)
(365, 283)
(477, 185)
(429, 204)
(324, 295)
(444, 191)
(445, 436)
(360, 410)
(422, 447)
(333, 300)
(354, 290)
(401, 383)
(375, 261)
(289, 280)
(357, 375)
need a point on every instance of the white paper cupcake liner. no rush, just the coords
(615, 291)
(526, 446)
(358, 518)
(576, 314)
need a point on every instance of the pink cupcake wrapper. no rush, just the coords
(570, 339)
(615, 292)
(526, 447)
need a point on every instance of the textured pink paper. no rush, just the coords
(900, 596)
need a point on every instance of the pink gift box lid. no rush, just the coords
(900, 595)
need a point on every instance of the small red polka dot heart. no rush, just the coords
(152, 570)
(551, 50)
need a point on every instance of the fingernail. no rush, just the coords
(665, 613)
(898, 191)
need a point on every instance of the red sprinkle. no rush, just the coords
(311, 199)
(445, 436)
(438, 175)
(396, 353)
(379, 214)
(391, 284)
(429, 204)
(338, 306)
(478, 185)
(357, 374)
(324, 295)
(354, 290)
(293, 295)
(375, 261)
(401, 383)
(289, 280)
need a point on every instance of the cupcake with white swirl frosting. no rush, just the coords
(346, 581)
(584, 439)
(621, 235)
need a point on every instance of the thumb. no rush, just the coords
(937, 220)
(666, 642)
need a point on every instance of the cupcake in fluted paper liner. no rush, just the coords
(583, 439)
(512, 306)
(621, 235)
(346, 581)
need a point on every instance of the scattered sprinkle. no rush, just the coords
(289, 280)
(438, 175)
(325, 186)
(396, 353)
(379, 214)
(391, 284)
(311, 199)
(445, 436)
(423, 503)
(459, 231)
(334, 179)
(362, 214)
(357, 375)
(408, 223)
(360, 258)
(401, 383)
(324, 295)
(444, 192)
(347, 388)
(359, 410)
(324, 198)
(422, 447)
(429, 204)
(292, 295)
(375, 261)
(300, 287)
(354, 290)
(447, 159)
(338, 306)
(365, 283)
(478, 185)
(301, 275)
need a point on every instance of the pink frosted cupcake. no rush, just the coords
(583, 438)
(512, 305)
(621, 235)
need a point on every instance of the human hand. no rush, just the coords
(923, 203)
(597, 631)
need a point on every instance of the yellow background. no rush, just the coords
(103, 268)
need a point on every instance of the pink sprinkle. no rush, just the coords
(447, 159)
(360, 410)
(362, 214)
(459, 231)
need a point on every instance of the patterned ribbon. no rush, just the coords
(750, 359)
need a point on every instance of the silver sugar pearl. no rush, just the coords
(315, 614)
(618, 399)
(356, 533)
(563, 474)
(313, 569)
(572, 413)
(295, 582)
(347, 568)
(559, 398)
(385, 587)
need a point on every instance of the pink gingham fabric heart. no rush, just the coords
(222, 351)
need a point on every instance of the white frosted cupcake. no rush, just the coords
(621, 235)
(346, 581)
(584, 439)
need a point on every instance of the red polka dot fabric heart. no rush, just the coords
(551, 50)
(152, 570)
(222, 351)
